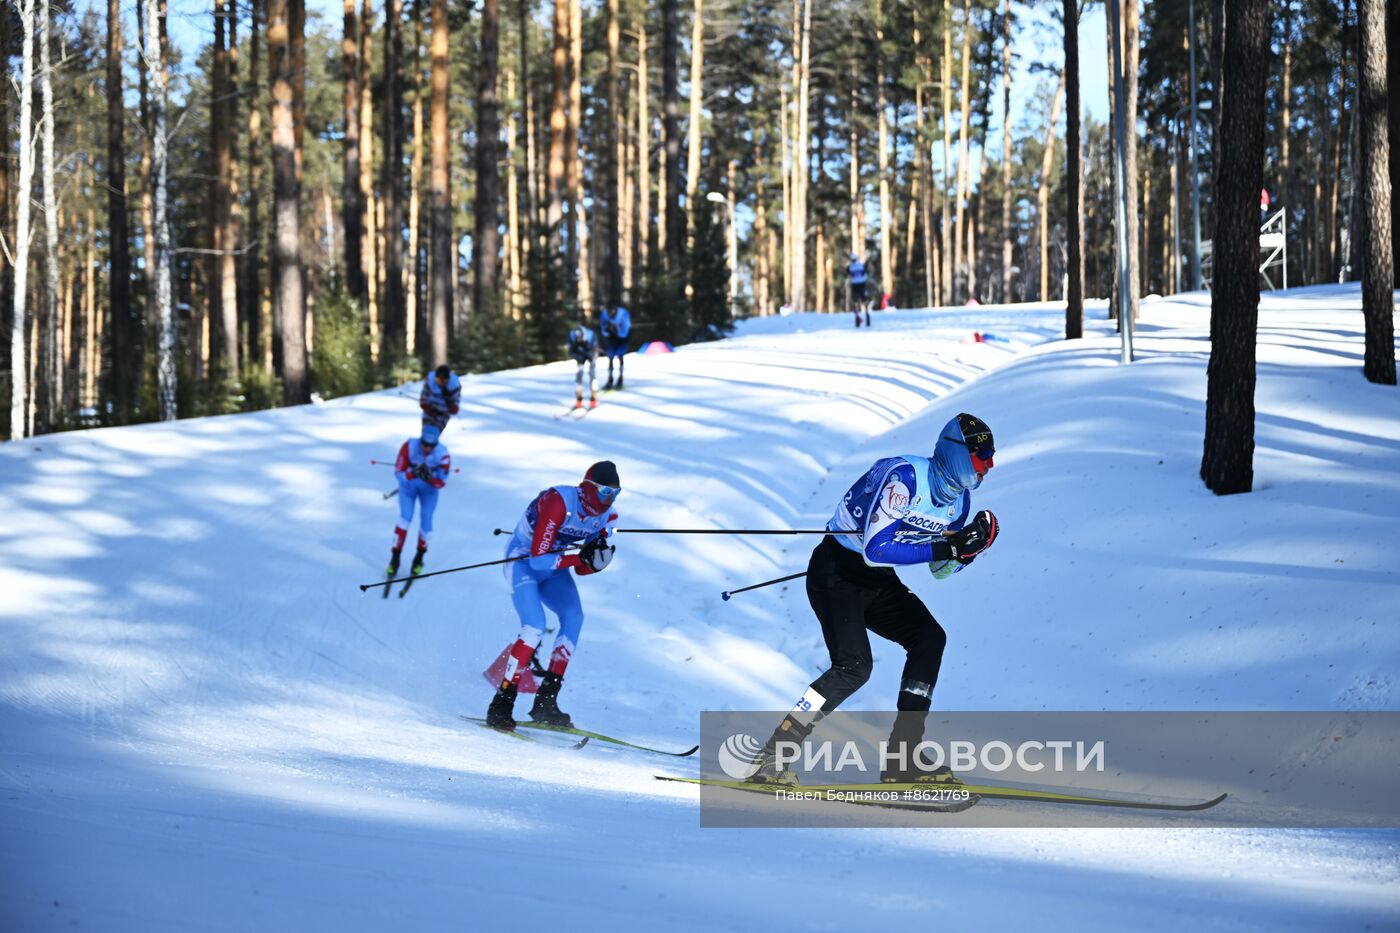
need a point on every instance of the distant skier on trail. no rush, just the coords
(857, 276)
(440, 398)
(583, 348)
(617, 329)
(421, 468)
(559, 517)
(906, 510)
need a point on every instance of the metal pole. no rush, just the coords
(1195, 180)
(1176, 204)
(1125, 287)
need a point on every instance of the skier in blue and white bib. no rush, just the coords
(904, 510)
(616, 324)
(559, 517)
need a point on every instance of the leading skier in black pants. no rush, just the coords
(904, 510)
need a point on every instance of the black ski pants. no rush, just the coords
(851, 597)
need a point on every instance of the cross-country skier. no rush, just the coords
(904, 510)
(559, 517)
(583, 347)
(422, 467)
(856, 273)
(441, 395)
(617, 328)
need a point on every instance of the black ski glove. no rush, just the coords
(423, 472)
(596, 554)
(974, 537)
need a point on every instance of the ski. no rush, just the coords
(406, 584)
(599, 736)
(851, 793)
(520, 735)
(981, 791)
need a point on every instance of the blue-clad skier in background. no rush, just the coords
(440, 398)
(616, 324)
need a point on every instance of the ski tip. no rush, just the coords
(693, 750)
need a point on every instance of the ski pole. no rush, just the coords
(436, 573)
(728, 593)
(721, 531)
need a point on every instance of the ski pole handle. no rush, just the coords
(744, 589)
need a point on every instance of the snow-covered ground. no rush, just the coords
(204, 724)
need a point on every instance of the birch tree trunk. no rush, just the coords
(797, 288)
(883, 161)
(19, 323)
(644, 226)
(369, 228)
(50, 387)
(413, 287)
(164, 308)
(965, 92)
(613, 175)
(579, 241)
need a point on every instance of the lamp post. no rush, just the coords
(732, 260)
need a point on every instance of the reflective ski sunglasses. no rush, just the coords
(981, 454)
(606, 494)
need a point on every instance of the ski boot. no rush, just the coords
(417, 566)
(608, 386)
(578, 403)
(592, 403)
(546, 709)
(767, 772)
(501, 713)
(392, 570)
(619, 382)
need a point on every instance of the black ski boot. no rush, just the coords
(392, 570)
(789, 730)
(546, 709)
(417, 567)
(501, 713)
(609, 384)
(619, 382)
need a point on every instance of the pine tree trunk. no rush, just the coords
(440, 268)
(965, 92)
(882, 124)
(1074, 175)
(369, 227)
(225, 189)
(1377, 273)
(6, 231)
(613, 171)
(797, 287)
(148, 224)
(259, 350)
(555, 169)
(412, 287)
(486, 244)
(1227, 465)
(578, 242)
(125, 328)
(513, 231)
(644, 225)
(1392, 61)
(531, 199)
(1042, 199)
(290, 300)
(352, 210)
(945, 288)
(392, 185)
(670, 207)
(697, 80)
